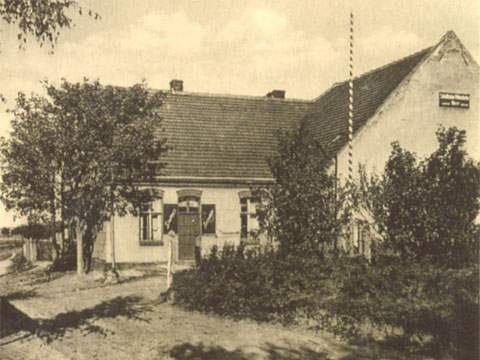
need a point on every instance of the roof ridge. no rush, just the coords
(235, 96)
(380, 68)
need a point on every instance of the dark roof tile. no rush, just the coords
(224, 136)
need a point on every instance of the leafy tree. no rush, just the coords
(426, 209)
(32, 231)
(300, 211)
(42, 19)
(5, 231)
(28, 158)
(83, 152)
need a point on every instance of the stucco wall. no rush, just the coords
(99, 246)
(412, 113)
(227, 206)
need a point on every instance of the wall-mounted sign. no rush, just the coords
(454, 100)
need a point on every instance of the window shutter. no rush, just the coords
(170, 218)
(208, 219)
(144, 235)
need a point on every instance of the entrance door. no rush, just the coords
(188, 227)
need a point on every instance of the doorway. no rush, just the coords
(188, 226)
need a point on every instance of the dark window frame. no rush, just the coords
(150, 222)
(246, 213)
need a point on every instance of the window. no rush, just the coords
(151, 220)
(188, 205)
(248, 220)
(208, 219)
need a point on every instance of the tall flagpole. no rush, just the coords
(350, 136)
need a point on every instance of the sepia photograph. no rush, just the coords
(239, 180)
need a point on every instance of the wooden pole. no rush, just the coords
(79, 236)
(170, 261)
(112, 274)
(350, 137)
(112, 242)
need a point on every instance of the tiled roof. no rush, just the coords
(329, 117)
(219, 136)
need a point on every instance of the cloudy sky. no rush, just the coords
(232, 46)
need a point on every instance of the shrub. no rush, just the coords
(421, 284)
(431, 308)
(66, 262)
(425, 209)
(231, 282)
(428, 307)
(32, 231)
(19, 263)
(257, 285)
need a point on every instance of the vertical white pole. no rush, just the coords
(79, 235)
(170, 261)
(350, 136)
(112, 242)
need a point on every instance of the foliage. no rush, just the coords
(299, 211)
(42, 19)
(421, 285)
(431, 309)
(426, 209)
(423, 279)
(5, 231)
(32, 231)
(428, 308)
(19, 263)
(83, 151)
(29, 154)
(242, 284)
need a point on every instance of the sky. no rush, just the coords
(230, 46)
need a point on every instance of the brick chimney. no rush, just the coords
(276, 94)
(176, 85)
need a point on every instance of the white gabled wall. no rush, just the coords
(411, 115)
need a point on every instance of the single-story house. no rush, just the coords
(220, 144)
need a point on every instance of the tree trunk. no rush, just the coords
(62, 216)
(112, 240)
(88, 249)
(53, 229)
(79, 236)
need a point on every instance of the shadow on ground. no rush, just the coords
(20, 295)
(269, 351)
(187, 351)
(130, 307)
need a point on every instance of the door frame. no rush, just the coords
(197, 195)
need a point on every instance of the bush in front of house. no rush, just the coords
(230, 282)
(258, 285)
(426, 307)
(423, 280)
(299, 212)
